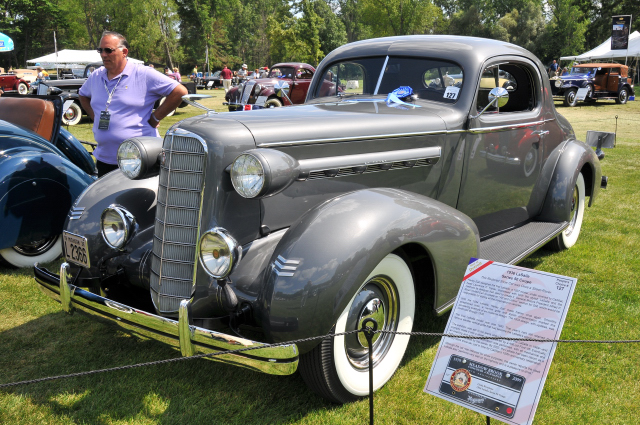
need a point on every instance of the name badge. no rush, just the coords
(105, 117)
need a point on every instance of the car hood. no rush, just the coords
(342, 120)
(576, 77)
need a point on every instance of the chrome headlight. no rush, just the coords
(138, 157)
(219, 252)
(263, 172)
(117, 226)
(257, 89)
(558, 83)
(129, 159)
(247, 175)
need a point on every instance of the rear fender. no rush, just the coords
(574, 157)
(325, 257)
(74, 150)
(36, 192)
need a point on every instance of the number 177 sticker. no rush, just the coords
(451, 92)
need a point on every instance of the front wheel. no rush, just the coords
(23, 89)
(571, 98)
(569, 236)
(42, 251)
(72, 115)
(623, 96)
(274, 102)
(337, 369)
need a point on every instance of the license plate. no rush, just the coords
(76, 249)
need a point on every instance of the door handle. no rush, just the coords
(541, 132)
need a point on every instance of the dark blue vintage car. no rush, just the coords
(601, 81)
(43, 168)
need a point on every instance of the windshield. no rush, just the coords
(281, 72)
(583, 70)
(429, 79)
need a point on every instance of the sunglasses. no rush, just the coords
(107, 50)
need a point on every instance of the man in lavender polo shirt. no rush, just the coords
(119, 98)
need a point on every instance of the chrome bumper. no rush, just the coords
(281, 360)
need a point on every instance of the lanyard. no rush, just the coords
(112, 92)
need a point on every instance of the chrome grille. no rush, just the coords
(246, 92)
(177, 221)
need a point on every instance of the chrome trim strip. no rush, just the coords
(378, 136)
(479, 130)
(319, 165)
(280, 360)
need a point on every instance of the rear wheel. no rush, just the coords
(337, 369)
(569, 236)
(623, 96)
(571, 98)
(72, 115)
(22, 88)
(42, 251)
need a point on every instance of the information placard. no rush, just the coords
(502, 379)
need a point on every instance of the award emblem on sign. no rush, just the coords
(460, 380)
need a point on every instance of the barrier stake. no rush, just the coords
(368, 333)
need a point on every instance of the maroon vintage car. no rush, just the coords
(11, 83)
(260, 92)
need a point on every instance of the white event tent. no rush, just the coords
(70, 59)
(604, 52)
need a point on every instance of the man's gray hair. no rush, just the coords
(123, 41)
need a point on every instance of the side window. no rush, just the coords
(304, 74)
(345, 77)
(517, 79)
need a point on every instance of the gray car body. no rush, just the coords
(333, 229)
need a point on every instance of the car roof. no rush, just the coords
(442, 46)
(600, 65)
(293, 65)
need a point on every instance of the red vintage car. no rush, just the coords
(260, 92)
(11, 83)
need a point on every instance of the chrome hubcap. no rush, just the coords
(377, 300)
(36, 248)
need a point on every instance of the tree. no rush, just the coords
(565, 33)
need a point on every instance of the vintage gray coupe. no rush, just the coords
(240, 230)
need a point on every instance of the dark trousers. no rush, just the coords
(104, 168)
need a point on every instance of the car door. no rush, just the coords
(614, 80)
(300, 85)
(502, 147)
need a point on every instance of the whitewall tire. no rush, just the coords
(42, 251)
(338, 369)
(569, 236)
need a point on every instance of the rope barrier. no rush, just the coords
(240, 350)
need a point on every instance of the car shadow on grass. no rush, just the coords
(187, 391)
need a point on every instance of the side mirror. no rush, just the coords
(282, 90)
(498, 96)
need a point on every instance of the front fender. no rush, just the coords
(574, 158)
(36, 192)
(324, 258)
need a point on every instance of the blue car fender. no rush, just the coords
(36, 191)
(324, 259)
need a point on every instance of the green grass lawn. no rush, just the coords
(587, 384)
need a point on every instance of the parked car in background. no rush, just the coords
(240, 230)
(261, 91)
(209, 81)
(43, 168)
(29, 75)
(74, 112)
(602, 81)
(12, 83)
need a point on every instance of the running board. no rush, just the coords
(515, 245)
